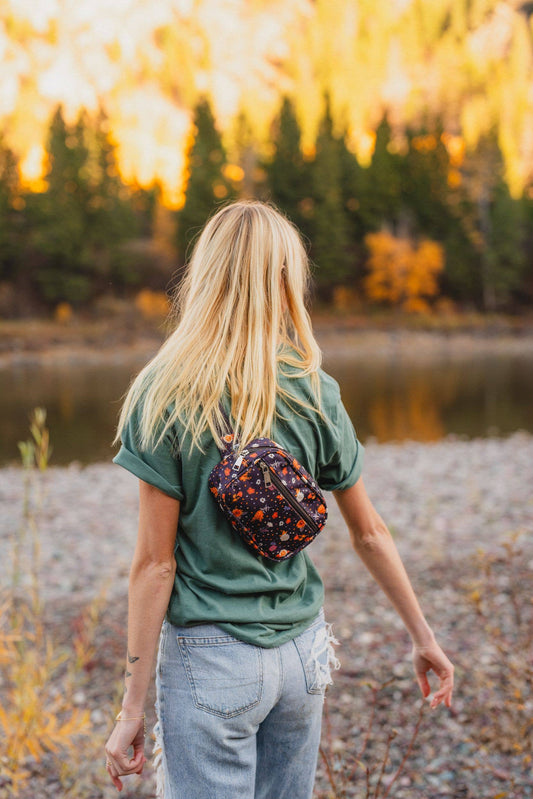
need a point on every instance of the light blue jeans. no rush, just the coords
(236, 721)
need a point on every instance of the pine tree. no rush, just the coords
(77, 227)
(524, 294)
(434, 208)
(10, 214)
(461, 279)
(353, 199)
(57, 217)
(494, 223)
(109, 208)
(382, 183)
(289, 176)
(424, 186)
(330, 235)
(507, 245)
(207, 185)
(109, 212)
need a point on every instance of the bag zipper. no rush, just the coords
(237, 465)
(270, 477)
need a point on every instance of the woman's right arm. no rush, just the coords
(373, 543)
(150, 586)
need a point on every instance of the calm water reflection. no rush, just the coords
(387, 398)
(395, 400)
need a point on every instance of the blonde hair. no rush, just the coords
(240, 314)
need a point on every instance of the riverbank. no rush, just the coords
(94, 341)
(444, 503)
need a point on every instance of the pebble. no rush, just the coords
(97, 716)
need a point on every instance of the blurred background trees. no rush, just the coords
(373, 129)
(66, 242)
(418, 222)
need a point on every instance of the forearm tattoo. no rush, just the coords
(131, 659)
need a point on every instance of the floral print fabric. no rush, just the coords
(269, 498)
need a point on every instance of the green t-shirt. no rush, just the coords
(219, 580)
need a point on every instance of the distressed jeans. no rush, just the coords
(236, 721)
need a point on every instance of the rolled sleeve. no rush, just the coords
(128, 460)
(342, 454)
(160, 466)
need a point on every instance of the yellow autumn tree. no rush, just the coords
(401, 273)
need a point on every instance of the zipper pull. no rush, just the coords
(237, 465)
(266, 473)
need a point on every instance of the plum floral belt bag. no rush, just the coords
(270, 500)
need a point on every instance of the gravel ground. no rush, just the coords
(444, 503)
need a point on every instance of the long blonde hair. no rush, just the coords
(240, 314)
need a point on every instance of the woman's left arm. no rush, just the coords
(373, 543)
(150, 585)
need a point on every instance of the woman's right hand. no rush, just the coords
(118, 763)
(431, 658)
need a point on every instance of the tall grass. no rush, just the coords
(38, 679)
(346, 771)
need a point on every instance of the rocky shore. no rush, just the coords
(461, 513)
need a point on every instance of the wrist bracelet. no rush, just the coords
(118, 717)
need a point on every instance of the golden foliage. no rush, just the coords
(233, 172)
(401, 273)
(454, 179)
(7, 640)
(469, 62)
(63, 313)
(83, 647)
(35, 717)
(152, 304)
(424, 144)
(220, 191)
(456, 147)
(345, 299)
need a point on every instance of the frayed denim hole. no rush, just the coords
(317, 655)
(158, 749)
(322, 659)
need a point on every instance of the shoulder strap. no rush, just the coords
(227, 433)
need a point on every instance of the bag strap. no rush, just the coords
(227, 434)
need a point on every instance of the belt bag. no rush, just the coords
(269, 498)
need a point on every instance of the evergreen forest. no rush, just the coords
(424, 224)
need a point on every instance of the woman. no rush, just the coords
(244, 652)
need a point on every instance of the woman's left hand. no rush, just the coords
(432, 658)
(126, 734)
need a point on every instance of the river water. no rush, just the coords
(389, 398)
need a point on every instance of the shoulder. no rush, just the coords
(145, 427)
(329, 386)
(318, 388)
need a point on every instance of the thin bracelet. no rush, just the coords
(118, 717)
